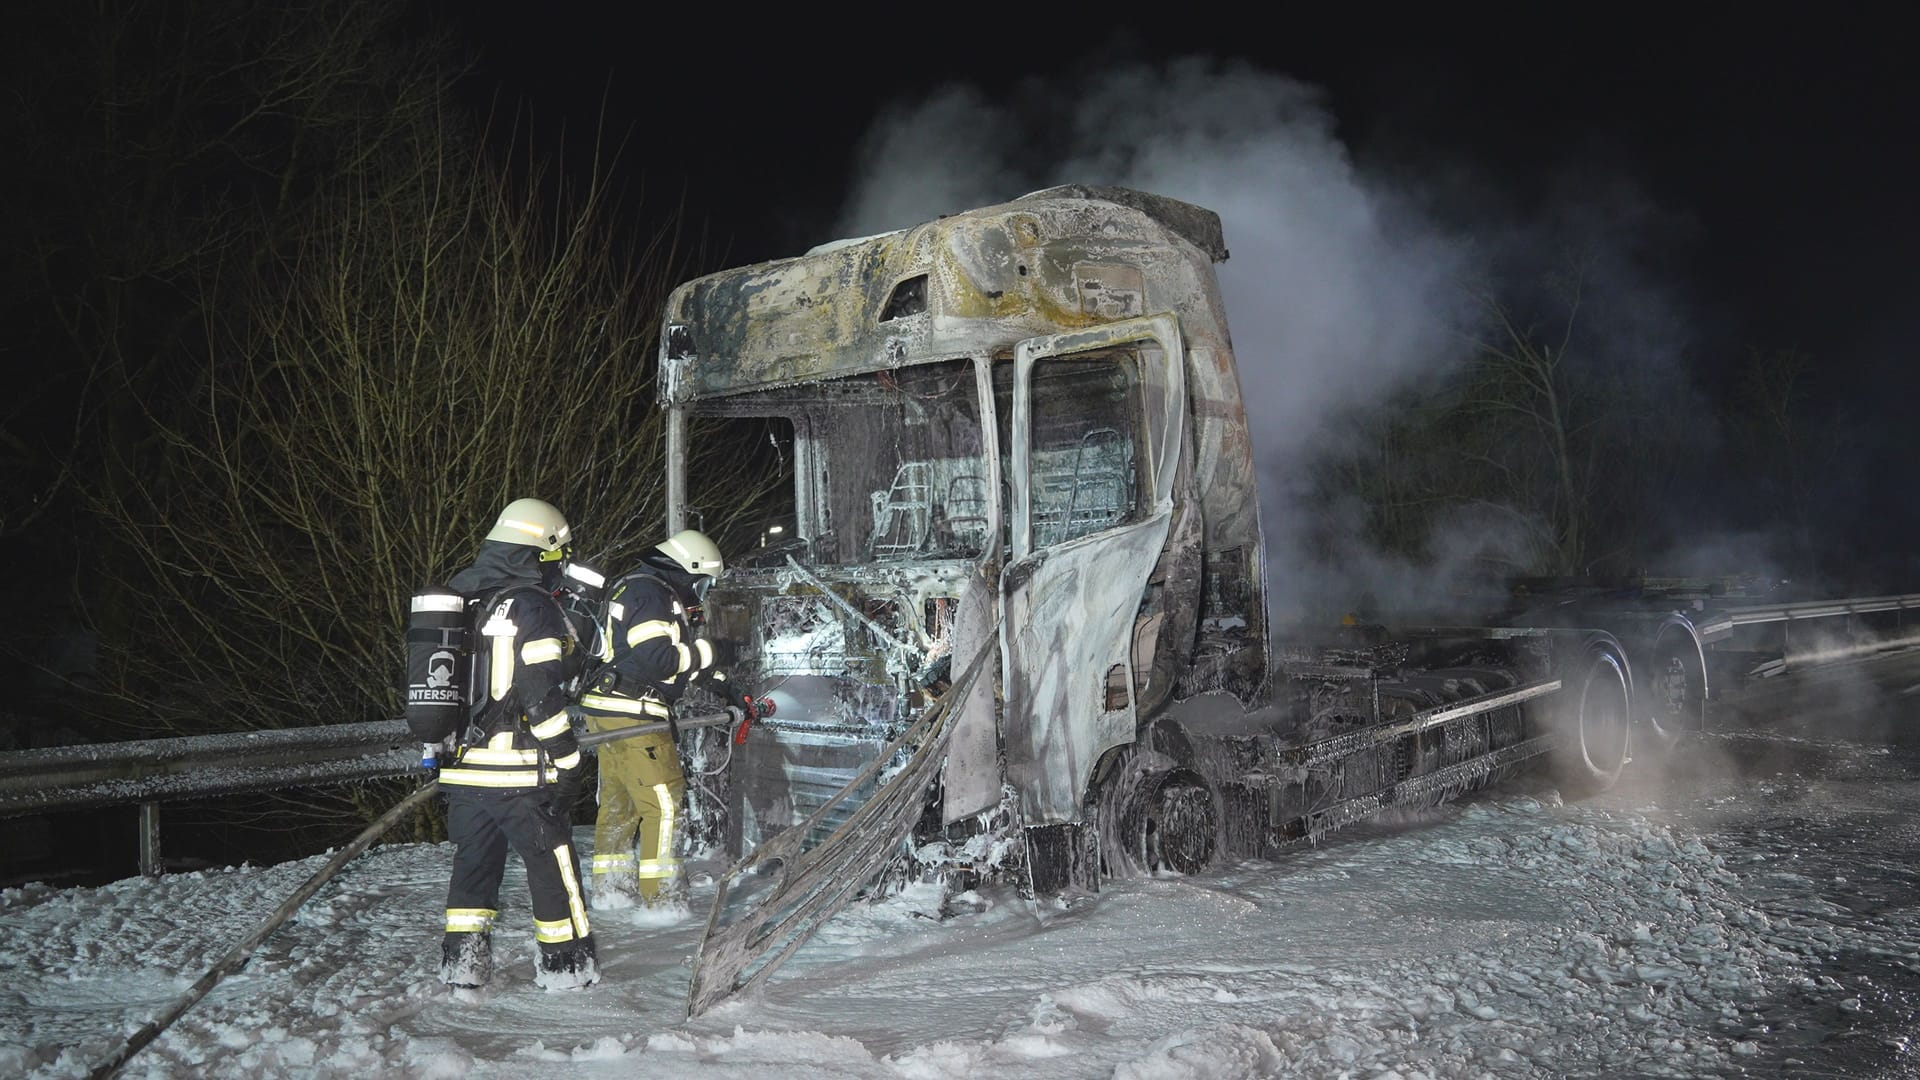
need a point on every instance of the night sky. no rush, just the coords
(1789, 148)
(1773, 160)
(1752, 179)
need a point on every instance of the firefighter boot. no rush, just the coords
(567, 966)
(614, 885)
(466, 960)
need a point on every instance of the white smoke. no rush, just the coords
(1337, 291)
(949, 152)
(1343, 291)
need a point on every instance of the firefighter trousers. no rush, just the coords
(485, 822)
(641, 786)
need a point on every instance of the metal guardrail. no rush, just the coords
(1721, 621)
(202, 766)
(148, 772)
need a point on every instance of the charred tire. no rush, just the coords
(1168, 821)
(1594, 718)
(1671, 689)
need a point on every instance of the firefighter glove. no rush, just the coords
(566, 791)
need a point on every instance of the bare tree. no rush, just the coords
(1574, 418)
(1770, 416)
(1529, 431)
(1549, 449)
(150, 143)
(440, 340)
(298, 339)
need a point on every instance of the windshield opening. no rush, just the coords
(886, 467)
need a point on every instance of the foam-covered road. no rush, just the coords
(1750, 908)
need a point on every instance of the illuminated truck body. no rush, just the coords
(1015, 434)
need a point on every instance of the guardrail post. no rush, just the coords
(150, 839)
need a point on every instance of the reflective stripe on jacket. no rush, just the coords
(522, 642)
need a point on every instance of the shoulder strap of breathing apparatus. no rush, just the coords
(495, 652)
(614, 609)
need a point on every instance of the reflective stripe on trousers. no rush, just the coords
(640, 790)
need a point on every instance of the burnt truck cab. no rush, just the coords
(1016, 430)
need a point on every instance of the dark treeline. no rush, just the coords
(293, 325)
(1566, 443)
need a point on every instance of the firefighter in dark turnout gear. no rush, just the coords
(516, 754)
(650, 655)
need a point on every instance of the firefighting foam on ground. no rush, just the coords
(1752, 911)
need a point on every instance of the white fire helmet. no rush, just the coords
(694, 552)
(535, 524)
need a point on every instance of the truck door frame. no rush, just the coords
(1069, 607)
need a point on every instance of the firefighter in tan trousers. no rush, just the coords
(649, 655)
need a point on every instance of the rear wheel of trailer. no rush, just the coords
(1592, 717)
(1670, 687)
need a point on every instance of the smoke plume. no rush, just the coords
(1343, 290)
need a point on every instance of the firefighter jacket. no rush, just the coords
(520, 735)
(648, 653)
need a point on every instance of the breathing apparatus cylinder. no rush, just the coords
(438, 644)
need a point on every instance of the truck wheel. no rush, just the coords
(1594, 717)
(1181, 825)
(1671, 692)
(1166, 820)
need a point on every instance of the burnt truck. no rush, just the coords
(1012, 607)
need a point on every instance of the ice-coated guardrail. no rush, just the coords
(1722, 620)
(201, 766)
(148, 772)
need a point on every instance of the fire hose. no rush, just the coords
(740, 718)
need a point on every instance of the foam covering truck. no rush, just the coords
(1012, 600)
